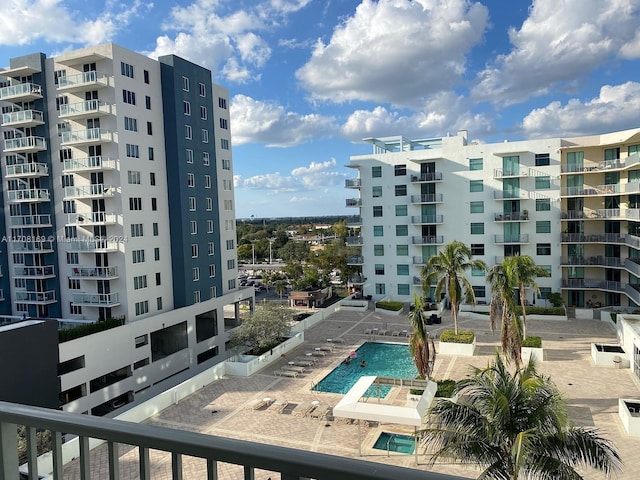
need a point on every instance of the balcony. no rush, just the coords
(91, 218)
(28, 170)
(602, 261)
(84, 299)
(617, 238)
(511, 217)
(581, 283)
(510, 172)
(429, 177)
(94, 273)
(32, 246)
(23, 118)
(93, 246)
(23, 271)
(353, 183)
(25, 144)
(427, 220)
(35, 221)
(354, 241)
(88, 164)
(427, 198)
(419, 260)
(357, 279)
(355, 260)
(33, 195)
(159, 445)
(511, 239)
(88, 108)
(591, 190)
(89, 191)
(354, 202)
(429, 240)
(605, 165)
(86, 137)
(83, 81)
(509, 195)
(22, 92)
(36, 298)
(354, 223)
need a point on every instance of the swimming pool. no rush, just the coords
(394, 442)
(383, 359)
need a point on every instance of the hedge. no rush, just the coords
(395, 306)
(89, 329)
(464, 336)
(534, 342)
(445, 389)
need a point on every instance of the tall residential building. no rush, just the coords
(569, 203)
(116, 185)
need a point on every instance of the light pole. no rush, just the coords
(271, 240)
(253, 252)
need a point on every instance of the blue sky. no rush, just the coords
(308, 79)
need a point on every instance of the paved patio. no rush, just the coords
(226, 408)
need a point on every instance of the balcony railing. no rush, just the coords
(510, 172)
(354, 240)
(25, 144)
(604, 165)
(91, 135)
(88, 164)
(511, 217)
(589, 261)
(427, 177)
(30, 221)
(524, 238)
(93, 246)
(590, 190)
(89, 191)
(21, 91)
(353, 183)
(592, 284)
(428, 240)
(95, 299)
(633, 265)
(418, 260)
(427, 198)
(36, 297)
(355, 260)
(91, 218)
(509, 195)
(97, 273)
(82, 80)
(427, 219)
(36, 246)
(354, 202)
(33, 195)
(88, 107)
(286, 463)
(357, 279)
(618, 238)
(24, 118)
(33, 271)
(28, 170)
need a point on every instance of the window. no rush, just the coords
(75, 309)
(543, 183)
(154, 204)
(150, 153)
(379, 269)
(477, 228)
(402, 230)
(73, 258)
(212, 271)
(156, 254)
(203, 113)
(137, 230)
(543, 204)
(378, 250)
(226, 164)
(74, 284)
(224, 144)
(131, 124)
(205, 159)
(192, 204)
(544, 292)
(194, 250)
(185, 84)
(65, 154)
(209, 226)
(68, 206)
(126, 69)
(142, 307)
(195, 274)
(401, 211)
(128, 97)
(476, 207)
(402, 250)
(477, 249)
(542, 159)
(380, 290)
(399, 170)
(378, 230)
(133, 151)
(226, 184)
(188, 134)
(543, 248)
(376, 192)
(186, 107)
(210, 249)
(196, 296)
(230, 244)
(224, 124)
(402, 269)
(147, 102)
(138, 256)
(479, 292)
(228, 204)
(377, 211)
(476, 186)
(401, 190)
(203, 89)
(612, 153)
(547, 268)
(475, 164)
(477, 272)
(376, 172)
(139, 282)
(66, 180)
(189, 155)
(194, 227)
(135, 203)
(404, 289)
(152, 179)
(58, 74)
(191, 180)
(222, 102)
(205, 135)
(543, 226)
(209, 204)
(155, 229)
(149, 128)
(70, 232)
(133, 177)
(146, 76)
(231, 264)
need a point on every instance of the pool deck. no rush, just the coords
(227, 407)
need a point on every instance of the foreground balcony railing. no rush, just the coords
(95, 299)
(427, 198)
(91, 218)
(523, 238)
(353, 183)
(427, 177)
(38, 298)
(21, 91)
(93, 246)
(592, 284)
(24, 118)
(89, 191)
(592, 261)
(25, 144)
(88, 107)
(30, 221)
(427, 219)
(355, 260)
(91, 135)
(27, 170)
(23, 271)
(285, 463)
(428, 240)
(353, 241)
(353, 202)
(89, 164)
(96, 273)
(604, 165)
(82, 80)
(33, 195)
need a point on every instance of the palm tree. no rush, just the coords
(515, 426)
(421, 344)
(502, 306)
(447, 269)
(522, 272)
(280, 288)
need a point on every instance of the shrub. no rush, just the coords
(89, 329)
(542, 310)
(534, 342)
(613, 317)
(464, 336)
(394, 306)
(445, 389)
(556, 299)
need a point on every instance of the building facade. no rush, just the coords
(560, 201)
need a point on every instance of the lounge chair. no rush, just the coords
(292, 368)
(319, 353)
(335, 340)
(395, 333)
(307, 358)
(304, 363)
(382, 332)
(303, 409)
(261, 403)
(326, 348)
(321, 411)
(278, 406)
(285, 373)
(368, 331)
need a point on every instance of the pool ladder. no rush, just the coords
(389, 443)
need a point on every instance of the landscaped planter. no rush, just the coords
(463, 349)
(629, 413)
(609, 354)
(388, 312)
(530, 352)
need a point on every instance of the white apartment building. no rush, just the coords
(560, 201)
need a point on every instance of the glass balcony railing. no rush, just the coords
(428, 240)
(28, 296)
(33, 195)
(20, 91)
(85, 79)
(28, 170)
(85, 191)
(23, 117)
(353, 183)
(427, 219)
(90, 135)
(93, 246)
(92, 107)
(427, 198)
(96, 273)
(25, 144)
(33, 271)
(427, 177)
(91, 218)
(30, 221)
(524, 238)
(95, 299)
(88, 163)
(32, 246)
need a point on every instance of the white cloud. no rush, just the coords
(616, 108)
(26, 21)
(559, 43)
(301, 199)
(395, 51)
(441, 114)
(256, 121)
(313, 177)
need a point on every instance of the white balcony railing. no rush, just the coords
(20, 91)
(33, 195)
(92, 218)
(92, 107)
(25, 144)
(95, 299)
(81, 80)
(22, 117)
(90, 135)
(28, 170)
(96, 273)
(88, 164)
(89, 191)
(30, 221)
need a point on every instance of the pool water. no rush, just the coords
(393, 442)
(382, 359)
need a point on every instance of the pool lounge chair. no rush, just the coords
(395, 333)
(382, 332)
(261, 404)
(335, 340)
(303, 409)
(292, 368)
(304, 362)
(368, 331)
(285, 373)
(278, 406)
(326, 348)
(321, 411)
(319, 353)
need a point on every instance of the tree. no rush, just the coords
(263, 329)
(421, 344)
(447, 269)
(515, 426)
(522, 272)
(502, 306)
(280, 288)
